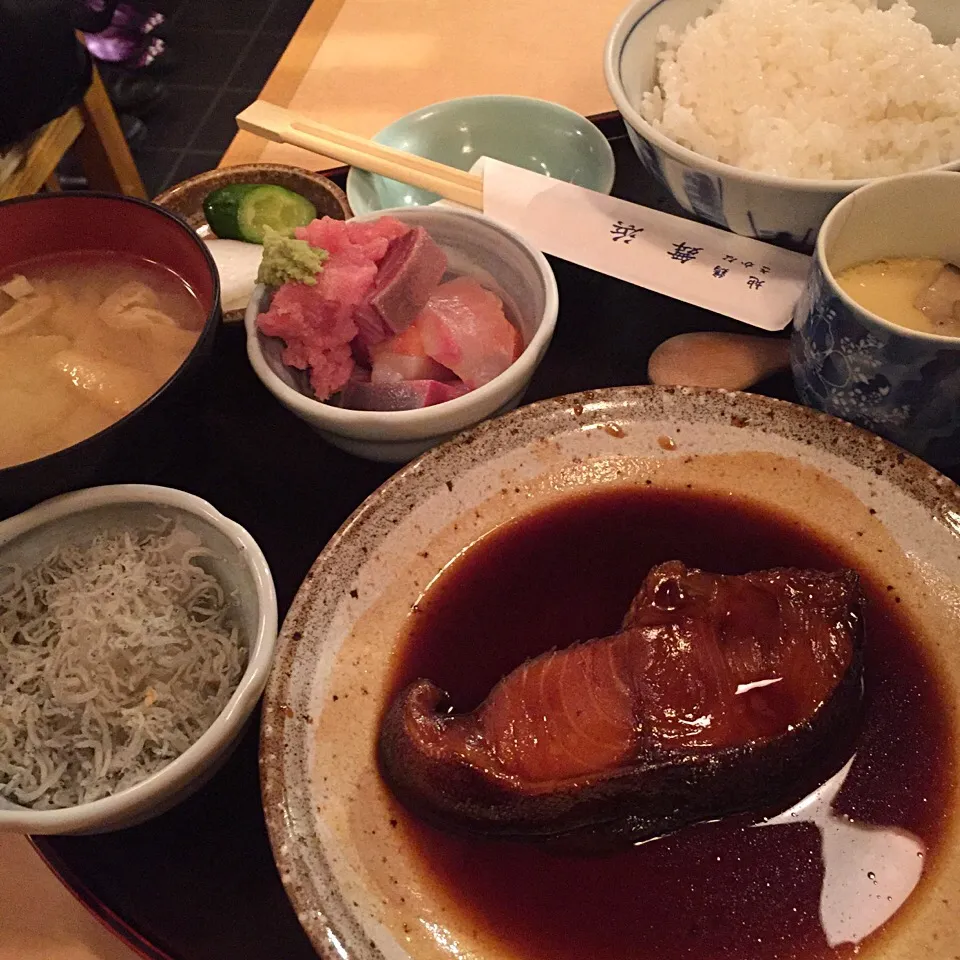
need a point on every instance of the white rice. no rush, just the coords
(831, 89)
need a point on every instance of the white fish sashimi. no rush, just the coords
(237, 263)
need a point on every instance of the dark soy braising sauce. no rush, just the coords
(711, 892)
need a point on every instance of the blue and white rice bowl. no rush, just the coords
(779, 209)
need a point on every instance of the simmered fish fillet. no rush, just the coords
(720, 695)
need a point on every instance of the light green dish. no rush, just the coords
(534, 134)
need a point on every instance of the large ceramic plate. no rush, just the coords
(359, 887)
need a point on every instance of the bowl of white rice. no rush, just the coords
(137, 630)
(760, 115)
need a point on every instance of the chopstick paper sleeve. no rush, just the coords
(736, 276)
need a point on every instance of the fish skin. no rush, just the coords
(620, 765)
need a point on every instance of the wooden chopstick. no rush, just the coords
(286, 126)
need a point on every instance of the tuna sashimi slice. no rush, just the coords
(403, 357)
(316, 333)
(375, 236)
(298, 313)
(405, 395)
(409, 273)
(371, 331)
(463, 327)
(344, 282)
(371, 239)
(327, 234)
(330, 368)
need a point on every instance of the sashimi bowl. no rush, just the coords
(139, 627)
(784, 198)
(423, 398)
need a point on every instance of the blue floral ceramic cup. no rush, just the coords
(847, 361)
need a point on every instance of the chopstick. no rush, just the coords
(286, 126)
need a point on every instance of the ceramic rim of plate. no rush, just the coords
(604, 427)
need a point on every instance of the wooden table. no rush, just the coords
(39, 917)
(290, 70)
(360, 64)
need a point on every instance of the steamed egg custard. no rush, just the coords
(916, 293)
(85, 338)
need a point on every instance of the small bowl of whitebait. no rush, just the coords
(137, 629)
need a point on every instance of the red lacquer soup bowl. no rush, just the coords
(135, 446)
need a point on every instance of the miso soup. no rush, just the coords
(85, 338)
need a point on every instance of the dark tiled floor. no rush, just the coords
(221, 53)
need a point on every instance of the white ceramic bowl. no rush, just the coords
(474, 245)
(242, 569)
(782, 209)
